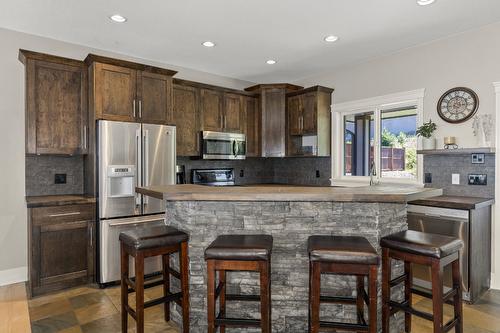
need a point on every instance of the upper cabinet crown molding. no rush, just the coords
(91, 58)
(56, 104)
(287, 86)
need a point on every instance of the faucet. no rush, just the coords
(373, 172)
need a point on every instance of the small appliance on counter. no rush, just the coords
(223, 146)
(180, 174)
(213, 177)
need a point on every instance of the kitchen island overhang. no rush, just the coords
(290, 214)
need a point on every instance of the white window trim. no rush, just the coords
(375, 104)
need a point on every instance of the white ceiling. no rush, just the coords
(248, 33)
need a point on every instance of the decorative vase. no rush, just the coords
(428, 143)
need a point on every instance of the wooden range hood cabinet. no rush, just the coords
(273, 114)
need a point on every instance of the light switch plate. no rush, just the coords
(477, 158)
(455, 178)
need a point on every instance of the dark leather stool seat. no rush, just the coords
(145, 242)
(425, 244)
(342, 249)
(435, 252)
(157, 236)
(231, 253)
(343, 255)
(240, 247)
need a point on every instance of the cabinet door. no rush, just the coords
(154, 98)
(186, 117)
(273, 123)
(309, 114)
(115, 92)
(233, 113)
(61, 247)
(56, 114)
(252, 126)
(294, 116)
(211, 109)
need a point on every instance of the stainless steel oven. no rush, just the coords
(223, 146)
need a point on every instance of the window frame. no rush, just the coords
(375, 105)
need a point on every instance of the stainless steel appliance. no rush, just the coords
(448, 222)
(130, 155)
(223, 146)
(180, 174)
(213, 177)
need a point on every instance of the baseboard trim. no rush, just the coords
(14, 275)
(495, 281)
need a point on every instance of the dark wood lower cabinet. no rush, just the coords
(61, 247)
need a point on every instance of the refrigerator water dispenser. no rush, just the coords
(121, 181)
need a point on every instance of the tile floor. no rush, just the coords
(92, 310)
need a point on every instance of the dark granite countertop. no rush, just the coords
(455, 202)
(58, 200)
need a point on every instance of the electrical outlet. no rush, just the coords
(455, 178)
(477, 158)
(60, 178)
(477, 179)
(317, 174)
(242, 173)
(428, 178)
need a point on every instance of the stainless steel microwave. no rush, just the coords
(223, 146)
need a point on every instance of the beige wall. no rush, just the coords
(13, 237)
(470, 59)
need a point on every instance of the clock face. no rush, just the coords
(457, 105)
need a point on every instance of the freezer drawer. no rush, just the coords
(110, 246)
(454, 223)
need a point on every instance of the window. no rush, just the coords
(378, 135)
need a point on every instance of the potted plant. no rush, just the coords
(425, 132)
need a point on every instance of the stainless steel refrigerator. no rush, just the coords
(130, 155)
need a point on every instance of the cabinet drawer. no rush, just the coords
(58, 214)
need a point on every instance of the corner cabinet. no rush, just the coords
(308, 122)
(127, 91)
(61, 247)
(253, 125)
(56, 104)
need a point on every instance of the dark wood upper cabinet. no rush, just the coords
(155, 98)
(308, 115)
(56, 107)
(211, 110)
(61, 247)
(187, 120)
(252, 126)
(127, 91)
(233, 113)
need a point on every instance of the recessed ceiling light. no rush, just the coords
(331, 39)
(425, 2)
(208, 44)
(271, 62)
(118, 18)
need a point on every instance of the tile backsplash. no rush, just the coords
(41, 170)
(443, 166)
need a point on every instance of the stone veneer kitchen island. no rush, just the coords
(290, 214)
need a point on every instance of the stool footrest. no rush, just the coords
(451, 324)
(164, 299)
(338, 299)
(404, 306)
(131, 311)
(447, 297)
(398, 280)
(334, 326)
(365, 297)
(247, 298)
(174, 273)
(237, 322)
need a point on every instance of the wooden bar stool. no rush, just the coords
(432, 250)
(148, 242)
(238, 253)
(343, 255)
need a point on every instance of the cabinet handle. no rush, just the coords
(91, 237)
(133, 107)
(225, 121)
(140, 108)
(64, 214)
(85, 137)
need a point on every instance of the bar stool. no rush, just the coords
(343, 255)
(432, 250)
(238, 253)
(148, 242)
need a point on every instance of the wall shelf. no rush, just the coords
(459, 151)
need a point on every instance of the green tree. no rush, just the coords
(388, 139)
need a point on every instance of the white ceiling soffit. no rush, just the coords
(247, 33)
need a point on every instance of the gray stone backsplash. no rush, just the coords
(443, 166)
(41, 170)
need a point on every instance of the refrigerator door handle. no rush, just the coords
(145, 165)
(138, 165)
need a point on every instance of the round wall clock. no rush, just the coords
(457, 105)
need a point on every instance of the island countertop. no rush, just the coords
(377, 193)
